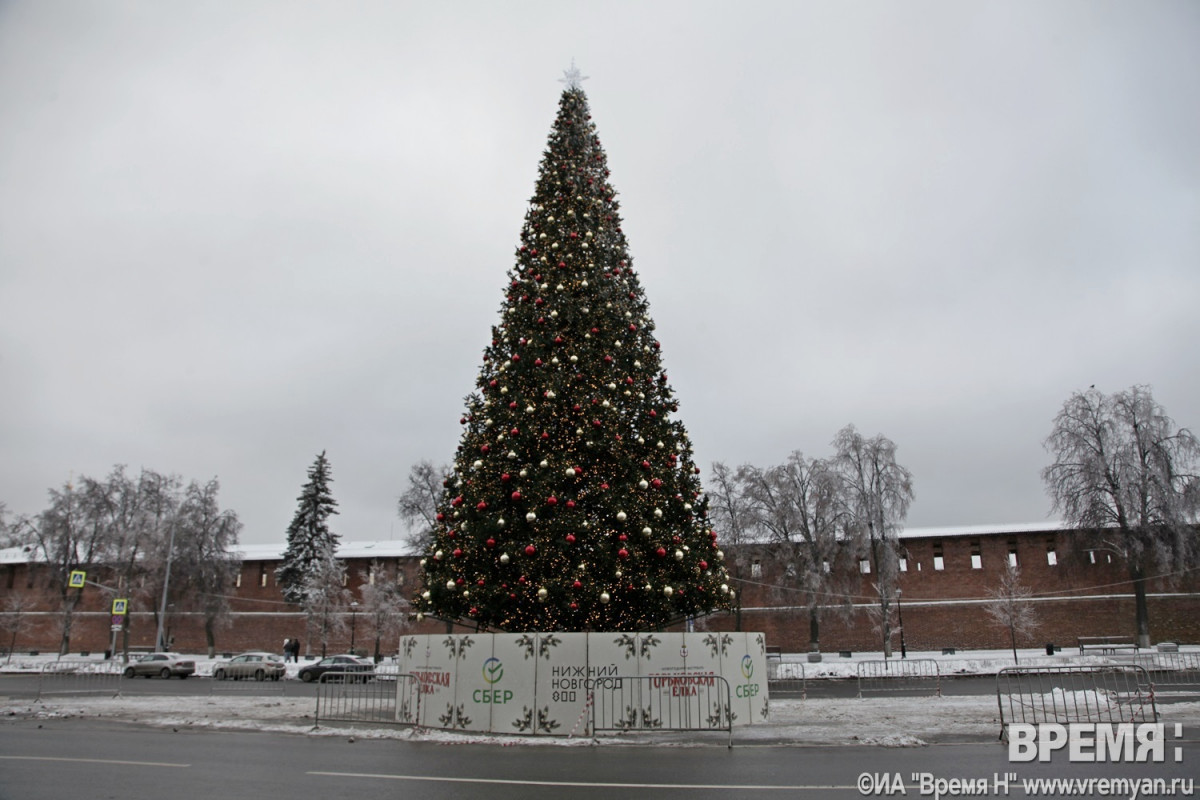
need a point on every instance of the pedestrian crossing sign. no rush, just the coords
(77, 579)
(120, 606)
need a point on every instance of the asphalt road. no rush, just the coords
(60, 759)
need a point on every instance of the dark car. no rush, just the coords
(164, 665)
(356, 669)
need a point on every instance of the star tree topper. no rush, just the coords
(572, 77)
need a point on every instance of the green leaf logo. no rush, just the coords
(493, 670)
(747, 666)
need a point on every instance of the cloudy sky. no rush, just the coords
(235, 234)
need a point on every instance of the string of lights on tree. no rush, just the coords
(574, 503)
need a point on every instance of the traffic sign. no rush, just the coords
(117, 622)
(120, 606)
(77, 579)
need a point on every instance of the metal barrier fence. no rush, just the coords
(78, 676)
(661, 703)
(1065, 694)
(786, 678)
(1180, 671)
(354, 697)
(900, 675)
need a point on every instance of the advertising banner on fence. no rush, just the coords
(538, 683)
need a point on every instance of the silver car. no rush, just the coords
(164, 665)
(258, 666)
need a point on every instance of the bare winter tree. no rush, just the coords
(800, 508)
(733, 519)
(325, 597)
(384, 606)
(417, 506)
(70, 537)
(1124, 471)
(15, 619)
(878, 494)
(1010, 607)
(205, 540)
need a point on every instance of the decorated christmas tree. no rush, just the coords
(574, 502)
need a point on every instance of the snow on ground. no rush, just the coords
(885, 721)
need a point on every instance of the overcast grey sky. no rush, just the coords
(234, 234)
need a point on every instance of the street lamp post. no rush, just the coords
(353, 619)
(900, 618)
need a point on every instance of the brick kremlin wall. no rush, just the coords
(1085, 593)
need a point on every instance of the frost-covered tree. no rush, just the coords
(800, 507)
(309, 535)
(70, 536)
(878, 493)
(1010, 607)
(733, 517)
(575, 503)
(204, 562)
(324, 597)
(384, 607)
(418, 503)
(1123, 471)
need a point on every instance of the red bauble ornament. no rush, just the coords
(441, 517)
(570, 538)
(645, 465)
(474, 611)
(493, 383)
(516, 357)
(574, 606)
(551, 501)
(459, 581)
(703, 565)
(456, 502)
(608, 359)
(570, 504)
(515, 432)
(578, 584)
(457, 553)
(485, 449)
(622, 538)
(481, 505)
(596, 423)
(530, 549)
(545, 435)
(490, 542)
(622, 553)
(505, 478)
(604, 486)
(521, 580)
(537, 362)
(479, 582)
(558, 340)
(662, 552)
(462, 420)
(513, 404)
(577, 407)
(656, 483)
(516, 495)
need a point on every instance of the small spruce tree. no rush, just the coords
(574, 503)
(309, 538)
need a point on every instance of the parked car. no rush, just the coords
(259, 666)
(164, 665)
(361, 669)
